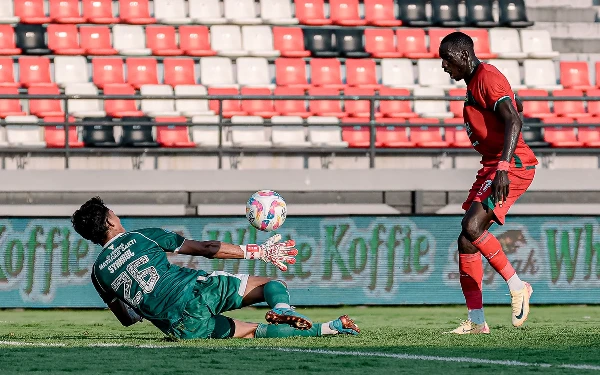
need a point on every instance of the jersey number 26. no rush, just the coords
(146, 279)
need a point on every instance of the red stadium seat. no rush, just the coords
(426, 136)
(457, 137)
(589, 135)
(65, 11)
(162, 41)
(107, 71)
(361, 73)
(55, 135)
(325, 107)
(411, 43)
(291, 107)
(291, 73)
(345, 13)
(435, 38)
(96, 40)
(559, 136)
(380, 43)
(31, 11)
(359, 108)
(120, 107)
(135, 12)
(99, 11)
(575, 75)
(394, 108)
(358, 136)
(481, 42)
(535, 109)
(456, 107)
(289, 41)
(10, 107)
(173, 136)
(574, 109)
(262, 108)
(45, 107)
(195, 41)
(141, 71)
(394, 137)
(326, 73)
(7, 75)
(7, 41)
(230, 107)
(311, 12)
(381, 13)
(35, 71)
(593, 106)
(64, 40)
(179, 72)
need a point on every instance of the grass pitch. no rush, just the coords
(394, 340)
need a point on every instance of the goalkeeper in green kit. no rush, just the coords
(135, 279)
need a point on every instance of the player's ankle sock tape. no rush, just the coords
(470, 268)
(276, 292)
(491, 249)
(283, 330)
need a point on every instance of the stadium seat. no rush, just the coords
(559, 136)
(135, 135)
(195, 41)
(25, 135)
(291, 73)
(262, 108)
(65, 11)
(358, 136)
(179, 72)
(431, 108)
(397, 73)
(107, 71)
(130, 40)
(432, 74)
(171, 135)
(380, 43)
(158, 107)
(311, 12)
(227, 40)
(216, 72)
(291, 107)
(7, 41)
(412, 13)
(99, 11)
(319, 41)
(506, 43)
(393, 137)
(31, 39)
(540, 74)
(277, 12)
(593, 106)
(141, 71)
(328, 108)
(381, 13)
(70, 69)
(55, 135)
(361, 73)
(171, 12)
(480, 13)
(589, 135)
(120, 107)
(248, 136)
(99, 135)
(411, 43)
(7, 75)
(325, 136)
(206, 12)
(511, 70)
(45, 107)
(359, 108)
(289, 136)
(326, 73)
(287, 120)
(349, 42)
(535, 109)
(435, 39)
(64, 40)
(10, 107)
(532, 135)
(573, 109)
(258, 41)
(456, 107)
(84, 107)
(289, 41)
(31, 11)
(35, 71)
(96, 40)
(162, 41)
(445, 13)
(230, 107)
(7, 12)
(206, 135)
(345, 13)
(191, 107)
(241, 12)
(457, 137)
(481, 42)
(575, 75)
(254, 72)
(395, 108)
(427, 136)
(537, 45)
(135, 12)
(513, 13)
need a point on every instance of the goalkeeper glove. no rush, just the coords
(273, 251)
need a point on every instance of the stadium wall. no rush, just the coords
(379, 260)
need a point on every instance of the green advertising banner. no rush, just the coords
(341, 260)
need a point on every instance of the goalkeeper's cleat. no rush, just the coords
(344, 325)
(519, 301)
(468, 327)
(288, 316)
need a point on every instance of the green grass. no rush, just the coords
(553, 335)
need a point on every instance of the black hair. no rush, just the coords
(91, 220)
(458, 41)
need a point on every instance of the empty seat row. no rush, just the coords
(570, 109)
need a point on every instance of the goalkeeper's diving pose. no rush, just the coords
(135, 279)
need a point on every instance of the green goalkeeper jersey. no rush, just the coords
(134, 268)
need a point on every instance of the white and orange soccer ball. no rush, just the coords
(266, 210)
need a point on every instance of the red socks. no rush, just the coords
(490, 247)
(471, 277)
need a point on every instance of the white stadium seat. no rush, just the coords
(171, 12)
(130, 40)
(206, 12)
(70, 69)
(227, 40)
(207, 134)
(510, 69)
(241, 12)
(289, 136)
(158, 107)
(431, 108)
(277, 12)
(248, 136)
(540, 74)
(287, 120)
(3, 141)
(325, 136)
(7, 12)
(258, 41)
(191, 107)
(398, 73)
(217, 72)
(25, 135)
(537, 44)
(253, 72)
(506, 43)
(432, 74)
(84, 107)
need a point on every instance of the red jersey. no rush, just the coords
(485, 129)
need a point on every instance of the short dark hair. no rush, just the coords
(91, 220)
(458, 40)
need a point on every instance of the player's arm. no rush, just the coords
(512, 127)
(123, 312)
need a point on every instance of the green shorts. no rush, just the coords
(213, 294)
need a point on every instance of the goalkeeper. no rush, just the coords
(135, 279)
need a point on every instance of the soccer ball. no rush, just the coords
(266, 210)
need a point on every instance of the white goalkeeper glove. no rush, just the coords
(273, 251)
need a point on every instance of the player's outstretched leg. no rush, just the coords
(278, 298)
(340, 326)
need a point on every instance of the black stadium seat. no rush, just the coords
(31, 39)
(412, 13)
(445, 13)
(532, 135)
(349, 42)
(513, 13)
(319, 41)
(98, 135)
(137, 135)
(480, 13)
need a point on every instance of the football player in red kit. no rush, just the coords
(493, 125)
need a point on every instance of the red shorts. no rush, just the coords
(520, 179)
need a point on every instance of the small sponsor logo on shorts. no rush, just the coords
(486, 185)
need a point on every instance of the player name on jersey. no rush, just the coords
(122, 249)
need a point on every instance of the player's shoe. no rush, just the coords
(468, 327)
(344, 325)
(288, 316)
(519, 301)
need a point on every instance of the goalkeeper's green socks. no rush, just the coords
(276, 294)
(283, 330)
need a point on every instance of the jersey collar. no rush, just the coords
(112, 240)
